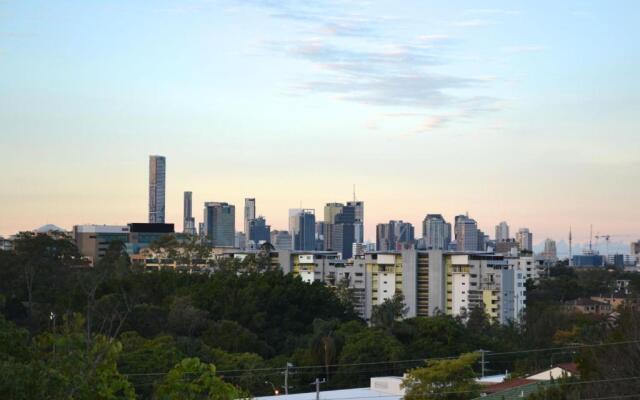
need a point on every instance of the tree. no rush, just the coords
(558, 391)
(263, 260)
(165, 248)
(191, 250)
(386, 314)
(232, 337)
(325, 343)
(41, 257)
(478, 320)
(191, 379)
(368, 346)
(60, 365)
(443, 379)
(184, 318)
(142, 356)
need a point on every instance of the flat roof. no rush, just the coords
(365, 393)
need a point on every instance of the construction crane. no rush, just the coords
(606, 238)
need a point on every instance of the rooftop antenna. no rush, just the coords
(354, 192)
(590, 238)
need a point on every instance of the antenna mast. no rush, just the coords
(570, 246)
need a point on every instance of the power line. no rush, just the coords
(594, 381)
(622, 396)
(417, 360)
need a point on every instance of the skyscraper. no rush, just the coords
(281, 240)
(249, 213)
(394, 235)
(467, 234)
(157, 175)
(320, 232)
(550, 253)
(340, 226)
(502, 232)
(525, 239)
(330, 212)
(259, 231)
(219, 224)
(436, 232)
(358, 206)
(189, 223)
(302, 227)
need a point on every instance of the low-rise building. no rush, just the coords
(93, 241)
(588, 306)
(5, 244)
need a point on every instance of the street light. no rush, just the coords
(275, 391)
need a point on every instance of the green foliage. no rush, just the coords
(246, 316)
(368, 346)
(558, 391)
(232, 337)
(63, 365)
(193, 380)
(386, 314)
(443, 379)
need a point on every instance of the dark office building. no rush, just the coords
(394, 236)
(259, 231)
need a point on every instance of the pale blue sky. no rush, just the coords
(517, 111)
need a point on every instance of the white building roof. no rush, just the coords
(382, 388)
(553, 373)
(102, 228)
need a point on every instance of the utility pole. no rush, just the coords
(286, 377)
(317, 383)
(482, 361)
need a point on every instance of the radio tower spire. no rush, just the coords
(570, 246)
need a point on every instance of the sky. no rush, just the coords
(519, 111)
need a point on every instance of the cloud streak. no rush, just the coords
(351, 59)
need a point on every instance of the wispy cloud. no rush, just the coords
(352, 59)
(526, 48)
(474, 23)
(493, 11)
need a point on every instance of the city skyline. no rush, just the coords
(330, 210)
(428, 107)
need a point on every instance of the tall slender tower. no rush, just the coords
(249, 213)
(157, 175)
(570, 247)
(189, 223)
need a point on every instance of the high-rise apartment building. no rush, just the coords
(502, 232)
(436, 232)
(249, 213)
(219, 224)
(525, 239)
(468, 237)
(189, 223)
(394, 235)
(302, 227)
(550, 253)
(157, 176)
